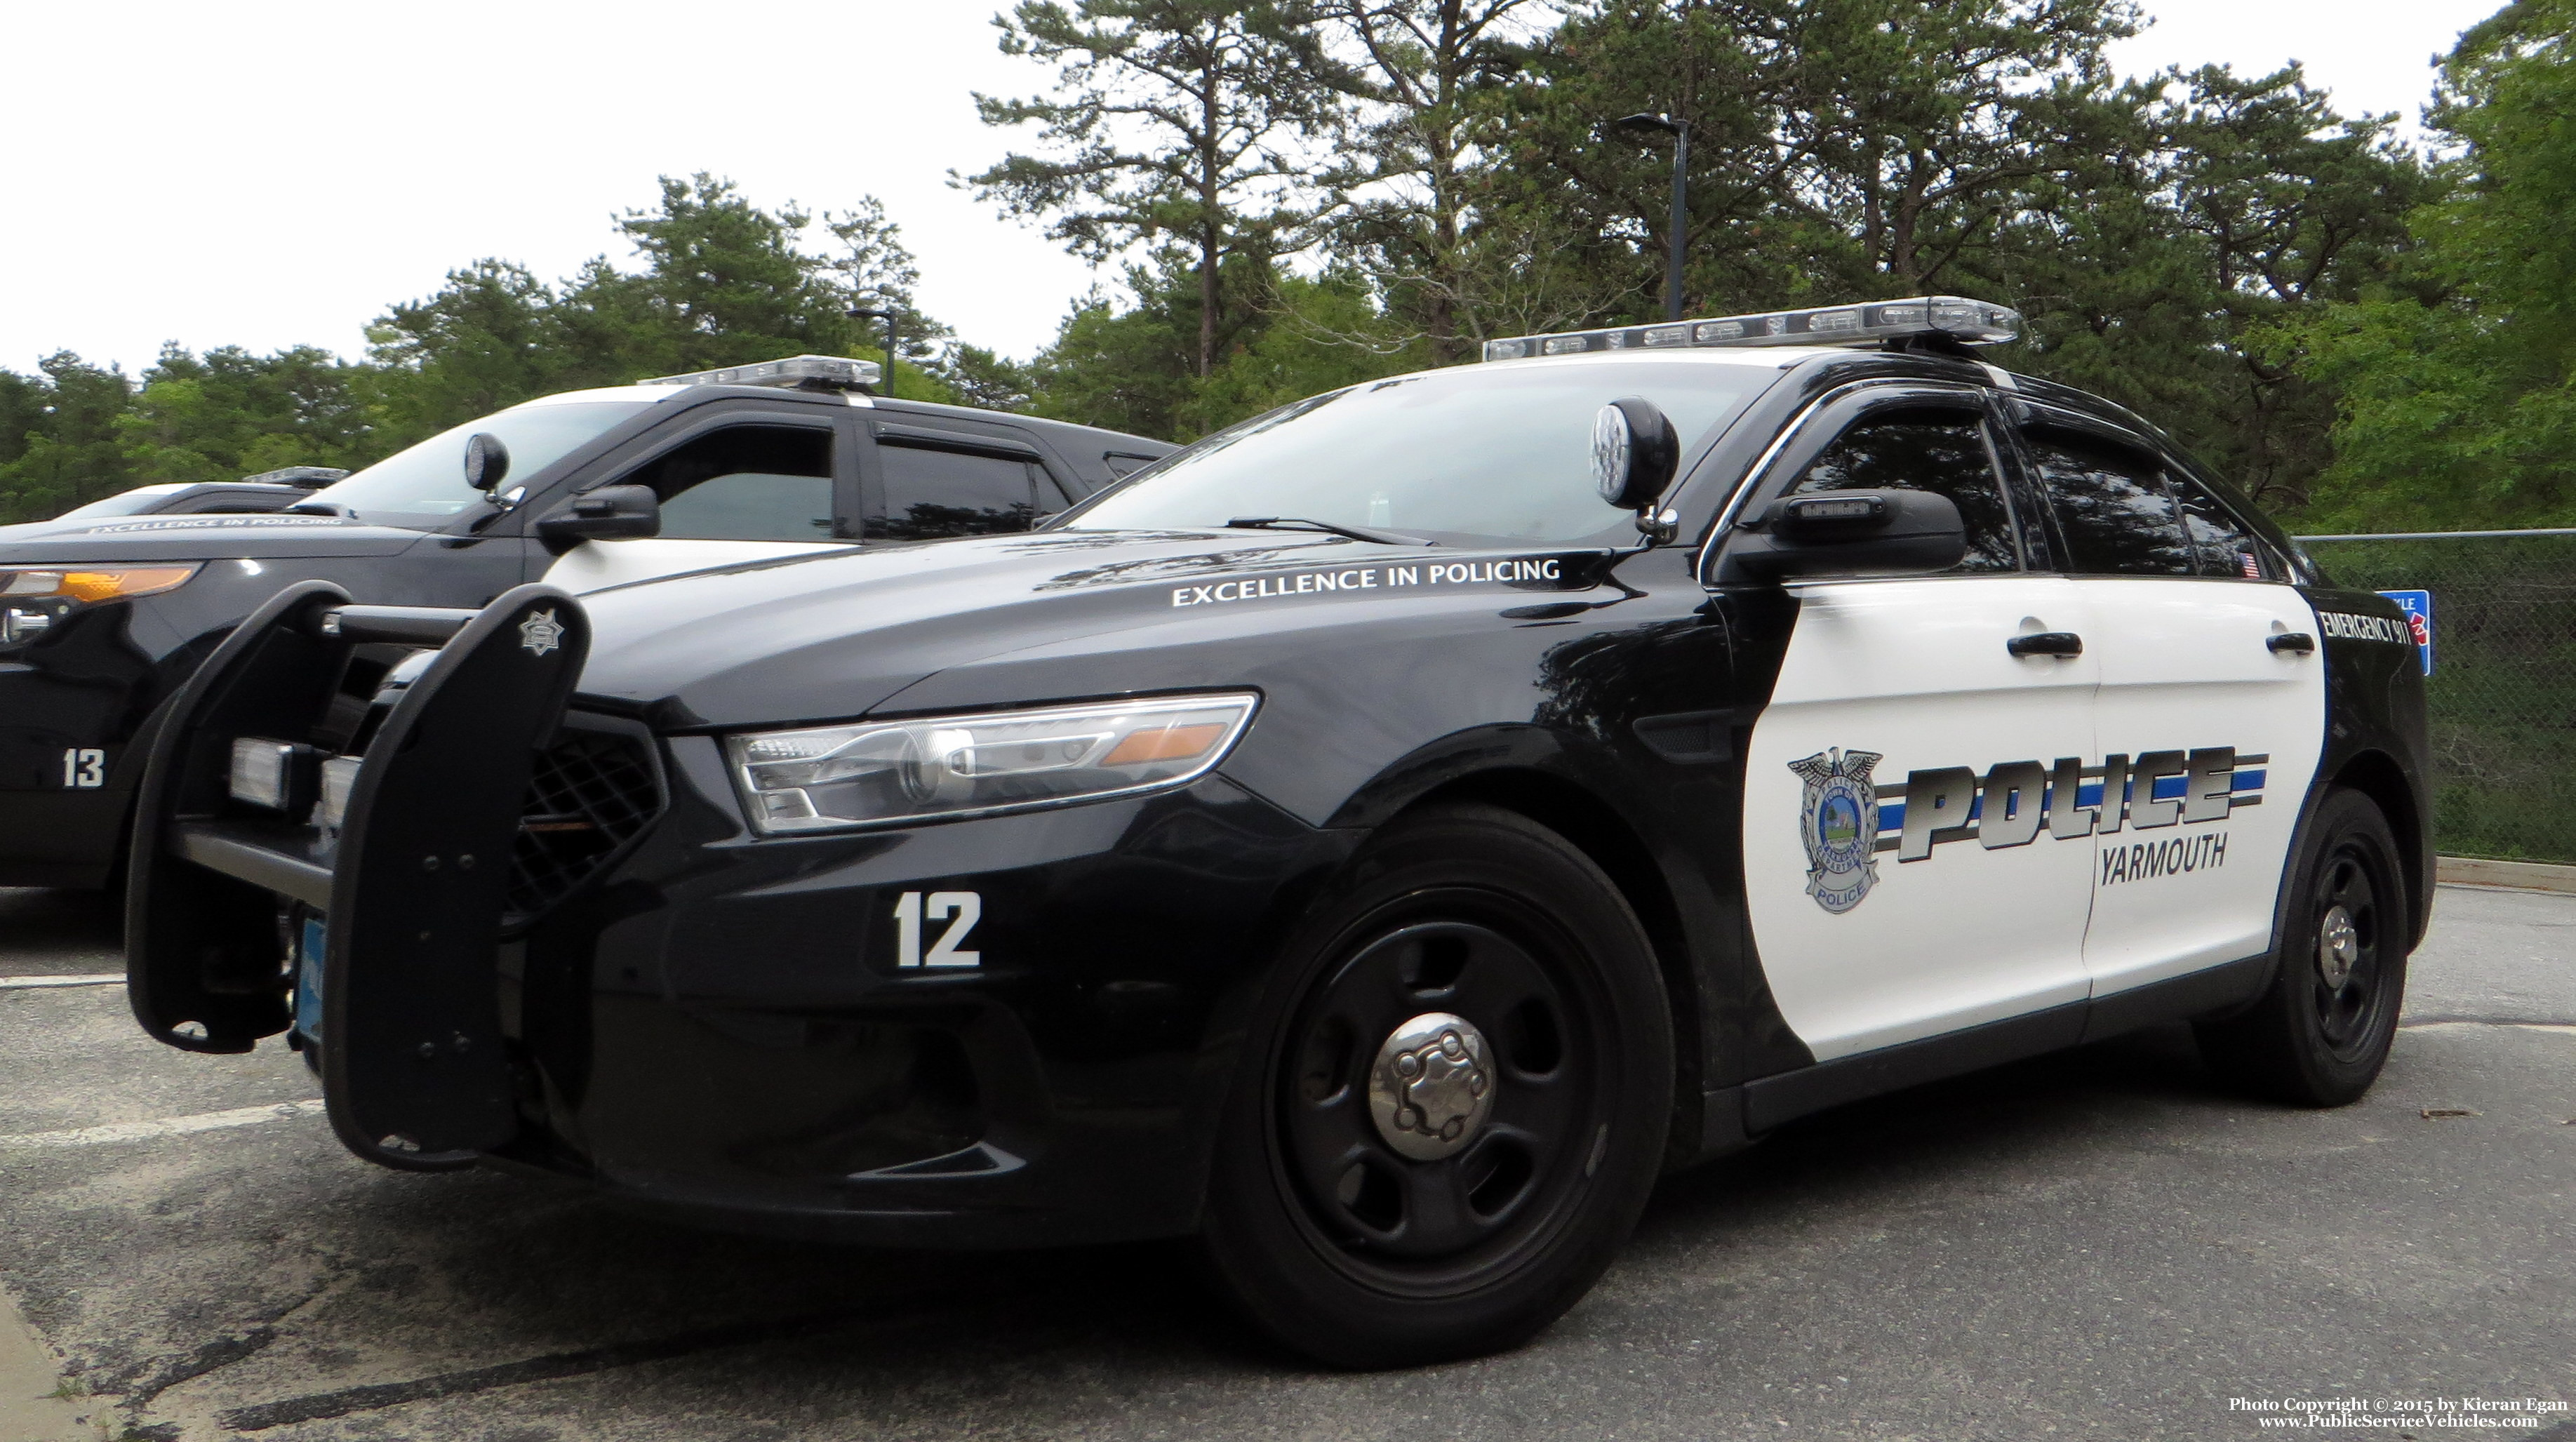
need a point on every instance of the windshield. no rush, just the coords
(424, 487)
(1463, 456)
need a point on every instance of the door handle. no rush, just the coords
(2046, 643)
(2288, 641)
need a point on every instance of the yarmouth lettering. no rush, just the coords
(1371, 578)
(2144, 861)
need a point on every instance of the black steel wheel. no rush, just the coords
(1455, 1103)
(2322, 1032)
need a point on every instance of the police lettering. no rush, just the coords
(2016, 800)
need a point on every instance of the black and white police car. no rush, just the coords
(1349, 841)
(106, 611)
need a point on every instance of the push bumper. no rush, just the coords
(731, 1030)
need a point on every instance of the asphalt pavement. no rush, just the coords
(2095, 1245)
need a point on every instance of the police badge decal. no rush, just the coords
(1838, 821)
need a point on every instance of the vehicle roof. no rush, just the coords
(1063, 430)
(1931, 365)
(1068, 431)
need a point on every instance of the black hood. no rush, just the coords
(837, 635)
(102, 539)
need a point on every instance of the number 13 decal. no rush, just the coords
(84, 768)
(911, 909)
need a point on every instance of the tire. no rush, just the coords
(1320, 1227)
(2319, 1036)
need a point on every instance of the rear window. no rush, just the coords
(2113, 506)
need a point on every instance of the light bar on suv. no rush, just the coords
(1967, 322)
(796, 372)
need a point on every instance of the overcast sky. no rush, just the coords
(274, 172)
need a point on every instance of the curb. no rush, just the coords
(2510, 875)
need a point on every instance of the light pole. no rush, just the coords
(1681, 208)
(889, 318)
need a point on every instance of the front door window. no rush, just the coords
(745, 483)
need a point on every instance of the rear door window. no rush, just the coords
(1941, 452)
(929, 493)
(745, 483)
(2113, 506)
(2223, 545)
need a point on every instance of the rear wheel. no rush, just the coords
(2322, 1032)
(1454, 1105)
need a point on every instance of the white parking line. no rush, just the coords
(166, 1126)
(32, 983)
(2560, 1028)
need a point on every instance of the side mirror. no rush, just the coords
(1850, 533)
(486, 461)
(610, 513)
(1634, 451)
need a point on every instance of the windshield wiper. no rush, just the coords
(1290, 523)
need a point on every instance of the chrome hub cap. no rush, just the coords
(2338, 948)
(1432, 1086)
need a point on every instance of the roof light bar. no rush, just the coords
(796, 372)
(1969, 322)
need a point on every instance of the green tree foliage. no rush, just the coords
(2225, 206)
(62, 449)
(1306, 193)
(230, 413)
(2155, 232)
(877, 272)
(721, 282)
(1182, 122)
(1426, 74)
(1131, 368)
(2456, 378)
(715, 280)
(489, 338)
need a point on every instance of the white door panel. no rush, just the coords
(2185, 669)
(597, 565)
(1980, 927)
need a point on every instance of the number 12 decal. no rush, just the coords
(910, 910)
(84, 768)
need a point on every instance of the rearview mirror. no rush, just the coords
(486, 461)
(1634, 451)
(610, 513)
(1850, 533)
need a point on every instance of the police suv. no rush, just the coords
(104, 612)
(1376, 840)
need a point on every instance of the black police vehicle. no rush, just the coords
(105, 611)
(1349, 841)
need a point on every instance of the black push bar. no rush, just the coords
(413, 880)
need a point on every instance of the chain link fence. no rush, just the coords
(2503, 690)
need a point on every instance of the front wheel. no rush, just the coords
(1453, 1106)
(2322, 1032)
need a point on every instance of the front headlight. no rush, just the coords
(33, 598)
(882, 773)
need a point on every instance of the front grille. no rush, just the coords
(592, 792)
